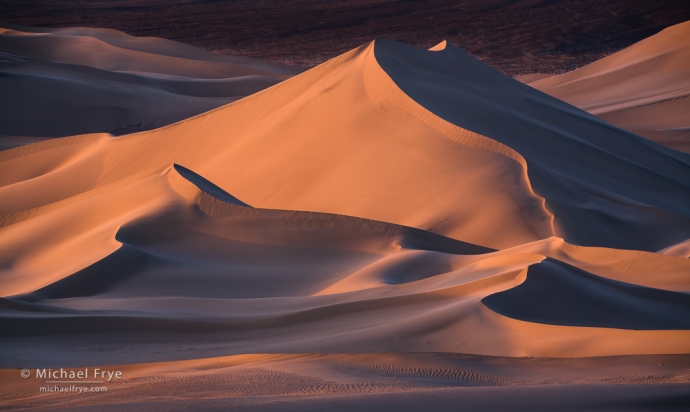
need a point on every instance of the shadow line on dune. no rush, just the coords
(556, 293)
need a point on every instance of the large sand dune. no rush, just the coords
(644, 88)
(483, 159)
(390, 200)
(83, 80)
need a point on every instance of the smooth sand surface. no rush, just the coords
(85, 80)
(391, 200)
(643, 88)
(619, 398)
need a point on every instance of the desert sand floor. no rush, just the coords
(402, 381)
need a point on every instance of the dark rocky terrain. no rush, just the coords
(515, 36)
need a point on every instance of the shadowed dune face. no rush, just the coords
(116, 103)
(208, 187)
(572, 158)
(560, 294)
(255, 253)
(392, 199)
(116, 51)
(240, 254)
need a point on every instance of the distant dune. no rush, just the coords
(644, 88)
(389, 202)
(83, 80)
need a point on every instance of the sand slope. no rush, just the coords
(643, 88)
(311, 158)
(392, 199)
(83, 80)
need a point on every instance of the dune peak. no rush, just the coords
(441, 46)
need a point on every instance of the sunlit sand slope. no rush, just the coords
(292, 147)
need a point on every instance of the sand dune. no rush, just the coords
(393, 150)
(643, 88)
(570, 156)
(391, 200)
(353, 165)
(84, 80)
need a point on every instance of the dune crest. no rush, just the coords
(681, 249)
(442, 45)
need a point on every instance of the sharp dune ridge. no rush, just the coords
(390, 202)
